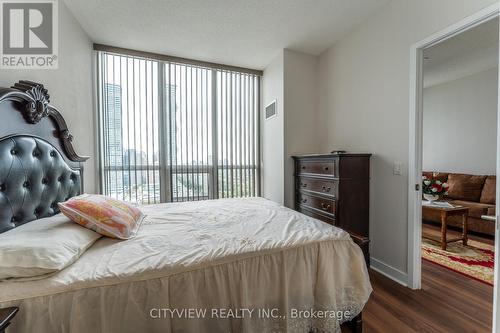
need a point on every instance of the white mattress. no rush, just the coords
(219, 255)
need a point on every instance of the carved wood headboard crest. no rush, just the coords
(36, 107)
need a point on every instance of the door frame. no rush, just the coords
(415, 140)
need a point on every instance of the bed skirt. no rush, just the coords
(308, 288)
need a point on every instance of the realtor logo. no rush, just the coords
(29, 34)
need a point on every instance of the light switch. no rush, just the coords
(398, 168)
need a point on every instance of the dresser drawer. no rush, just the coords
(323, 204)
(315, 215)
(318, 185)
(326, 167)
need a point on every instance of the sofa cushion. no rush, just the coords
(465, 187)
(442, 176)
(476, 209)
(489, 190)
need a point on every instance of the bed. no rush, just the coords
(230, 265)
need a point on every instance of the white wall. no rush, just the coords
(363, 100)
(290, 79)
(272, 132)
(461, 65)
(69, 86)
(300, 132)
(460, 125)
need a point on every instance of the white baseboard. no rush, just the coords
(389, 271)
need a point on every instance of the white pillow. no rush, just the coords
(43, 246)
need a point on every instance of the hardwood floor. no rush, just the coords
(448, 302)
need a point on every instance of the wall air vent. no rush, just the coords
(271, 110)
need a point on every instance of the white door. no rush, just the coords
(496, 289)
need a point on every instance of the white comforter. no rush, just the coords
(232, 265)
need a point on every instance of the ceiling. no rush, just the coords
(247, 33)
(472, 51)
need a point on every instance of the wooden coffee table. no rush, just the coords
(445, 212)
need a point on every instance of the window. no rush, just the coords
(176, 132)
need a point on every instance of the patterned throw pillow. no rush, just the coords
(104, 215)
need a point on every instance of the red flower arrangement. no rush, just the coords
(433, 186)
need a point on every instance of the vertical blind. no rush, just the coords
(176, 132)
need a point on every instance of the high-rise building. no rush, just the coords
(114, 137)
(171, 90)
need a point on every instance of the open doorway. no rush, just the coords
(446, 68)
(460, 102)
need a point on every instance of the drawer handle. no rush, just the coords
(303, 167)
(325, 206)
(325, 168)
(303, 184)
(326, 189)
(304, 200)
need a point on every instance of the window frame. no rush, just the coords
(165, 168)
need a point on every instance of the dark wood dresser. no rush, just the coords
(335, 188)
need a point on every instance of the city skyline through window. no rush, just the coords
(175, 132)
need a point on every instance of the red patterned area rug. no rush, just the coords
(474, 260)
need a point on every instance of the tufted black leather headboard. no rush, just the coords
(38, 165)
